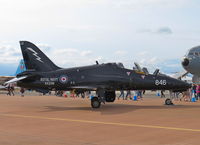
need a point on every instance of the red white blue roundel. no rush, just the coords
(63, 79)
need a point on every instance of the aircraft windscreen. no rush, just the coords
(119, 65)
(196, 53)
(191, 53)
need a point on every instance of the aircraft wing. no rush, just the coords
(83, 87)
(88, 87)
(15, 80)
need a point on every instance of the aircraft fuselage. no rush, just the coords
(105, 76)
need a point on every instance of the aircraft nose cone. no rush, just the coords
(185, 62)
(179, 85)
(189, 85)
(184, 85)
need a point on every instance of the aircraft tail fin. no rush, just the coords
(35, 59)
(21, 67)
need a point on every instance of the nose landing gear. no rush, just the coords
(168, 102)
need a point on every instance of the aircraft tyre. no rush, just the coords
(95, 102)
(168, 102)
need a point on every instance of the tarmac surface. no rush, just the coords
(50, 120)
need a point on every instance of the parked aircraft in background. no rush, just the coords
(21, 67)
(105, 79)
(191, 63)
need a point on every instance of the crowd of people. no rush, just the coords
(193, 92)
(125, 95)
(10, 89)
(130, 94)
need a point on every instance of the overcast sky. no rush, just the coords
(78, 32)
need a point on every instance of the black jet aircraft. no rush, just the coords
(42, 74)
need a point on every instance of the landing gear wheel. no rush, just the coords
(168, 102)
(95, 103)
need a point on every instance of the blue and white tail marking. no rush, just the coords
(21, 67)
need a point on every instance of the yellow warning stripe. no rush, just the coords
(103, 123)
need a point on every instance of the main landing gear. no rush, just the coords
(168, 102)
(95, 102)
(102, 97)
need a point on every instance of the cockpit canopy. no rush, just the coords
(120, 65)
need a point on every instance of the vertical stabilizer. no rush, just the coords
(35, 59)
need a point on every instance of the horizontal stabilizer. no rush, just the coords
(15, 80)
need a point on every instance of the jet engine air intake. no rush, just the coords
(185, 62)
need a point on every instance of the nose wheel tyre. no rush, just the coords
(95, 103)
(168, 102)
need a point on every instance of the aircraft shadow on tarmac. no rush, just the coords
(117, 108)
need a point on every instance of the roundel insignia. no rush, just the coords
(143, 76)
(128, 73)
(63, 79)
(21, 67)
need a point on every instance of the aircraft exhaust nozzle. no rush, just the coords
(185, 62)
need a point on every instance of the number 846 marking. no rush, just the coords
(160, 82)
